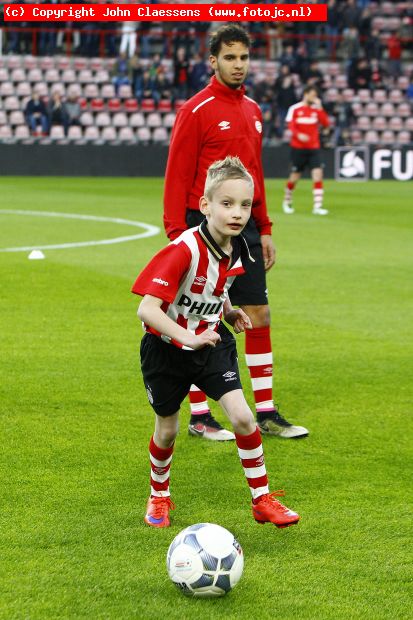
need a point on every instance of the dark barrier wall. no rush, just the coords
(349, 163)
(106, 160)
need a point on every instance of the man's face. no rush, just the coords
(310, 97)
(231, 65)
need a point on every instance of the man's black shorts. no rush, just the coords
(249, 289)
(305, 158)
(168, 372)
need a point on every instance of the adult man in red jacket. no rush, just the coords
(219, 121)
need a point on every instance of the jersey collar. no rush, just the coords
(225, 92)
(240, 248)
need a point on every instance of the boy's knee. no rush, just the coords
(243, 422)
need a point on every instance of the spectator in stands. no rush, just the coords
(343, 112)
(351, 43)
(120, 71)
(373, 46)
(144, 87)
(36, 114)
(377, 75)
(291, 58)
(156, 66)
(128, 39)
(73, 110)
(57, 112)
(181, 74)
(350, 16)
(394, 51)
(364, 26)
(198, 76)
(313, 76)
(162, 87)
(359, 75)
(285, 96)
(331, 28)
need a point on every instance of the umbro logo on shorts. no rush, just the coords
(230, 376)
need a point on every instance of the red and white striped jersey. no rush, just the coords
(192, 276)
(302, 118)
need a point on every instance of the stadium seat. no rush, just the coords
(14, 62)
(51, 75)
(164, 105)
(82, 103)
(3, 118)
(74, 90)
(30, 62)
(62, 63)
(387, 137)
(380, 95)
(57, 132)
(144, 134)
(148, 105)
(91, 133)
(178, 104)
(74, 133)
(137, 120)
(396, 123)
(85, 76)
(403, 110)
(125, 91)
(114, 105)
(131, 105)
(364, 95)
(91, 91)
(5, 132)
(154, 120)
(357, 108)
(34, 76)
(119, 120)
(6, 89)
(403, 82)
(408, 124)
(41, 88)
(371, 108)
(97, 105)
(348, 95)
(387, 109)
(102, 77)
(160, 134)
(58, 87)
(4, 75)
(17, 75)
(169, 120)
(86, 119)
(371, 137)
(97, 64)
(340, 81)
(23, 89)
(403, 137)
(126, 134)
(107, 91)
(22, 132)
(16, 117)
(69, 76)
(379, 123)
(396, 96)
(363, 123)
(11, 103)
(81, 64)
(109, 134)
(102, 119)
(46, 63)
(356, 136)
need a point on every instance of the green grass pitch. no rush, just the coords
(76, 422)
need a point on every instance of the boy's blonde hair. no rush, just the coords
(224, 170)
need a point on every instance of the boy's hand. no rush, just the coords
(239, 320)
(207, 338)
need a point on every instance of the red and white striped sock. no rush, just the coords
(258, 355)
(252, 459)
(160, 464)
(288, 192)
(197, 401)
(318, 194)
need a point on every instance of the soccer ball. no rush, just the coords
(205, 560)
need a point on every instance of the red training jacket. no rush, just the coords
(214, 123)
(302, 118)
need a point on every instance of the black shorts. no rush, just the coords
(168, 372)
(249, 289)
(305, 158)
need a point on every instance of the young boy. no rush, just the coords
(185, 293)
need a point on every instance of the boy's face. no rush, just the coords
(229, 208)
(231, 64)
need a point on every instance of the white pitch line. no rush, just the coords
(149, 231)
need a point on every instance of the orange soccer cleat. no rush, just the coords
(269, 510)
(157, 511)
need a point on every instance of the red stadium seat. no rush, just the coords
(131, 105)
(97, 105)
(164, 106)
(114, 105)
(148, 105)
(178, 104)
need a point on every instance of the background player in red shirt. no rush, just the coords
(186, 342)
(304, 120)
(218, 121)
